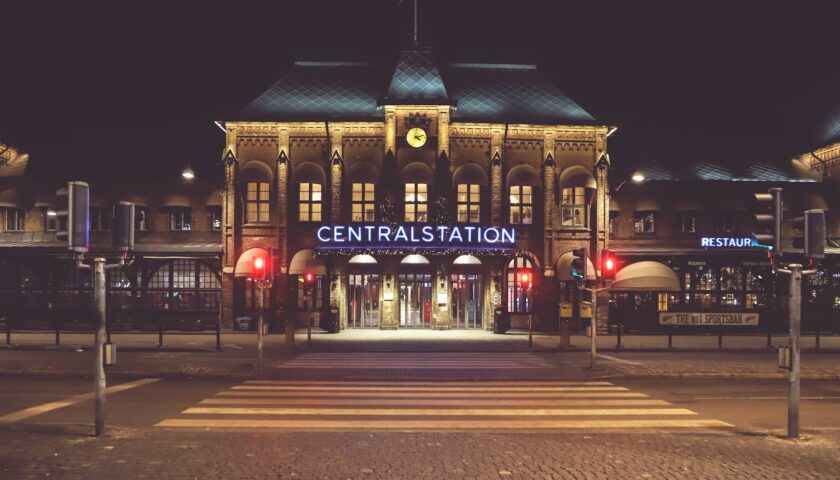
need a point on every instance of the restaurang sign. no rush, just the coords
(707, 318)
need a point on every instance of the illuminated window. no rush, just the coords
(363, 202)
(180, 219)
(573, 207)
(15, 220)
(416, 202)
(662, 302)
(521, 205)
(257, 202)
(644, 222)
(309, 202)
(51, 221)
(215, 219)
(469, 200)
(141, 218)
(686, 222)
(100, 219)
(519, 298)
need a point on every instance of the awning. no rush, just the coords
(577, 176)
(246, 261)
(646, 276)
(215, 198)
(136, 199)
(12, 198)
(688, 205)
(303, 262)
(564, 268)
(176, 201)
(648, 205)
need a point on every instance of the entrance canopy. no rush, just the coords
(646, 276)
(467, 260)
(246, 261)
(415, 260)
(564, 268)
(303, 262)
(363, 260)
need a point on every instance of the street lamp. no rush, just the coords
(188, 173)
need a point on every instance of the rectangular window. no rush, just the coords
(257, 202)
(521, 205)
(15, 220)
(309, 202)
(51, 221)
(662, 302)
(573, 207)
(644, 222)
(469, 203)
(727, 222)
(363, 202)
(686, 222)
(100, 219)
(416, 202)
(180, 219)
(141, 218)
(215, 219)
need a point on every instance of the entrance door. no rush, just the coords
(466, 300)
(363, 300)
(415, 300)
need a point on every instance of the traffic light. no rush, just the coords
(258, 271)
(812, 238)
(609, 265)
(525, 280)
(124, 227)
(579, 263)
(309, 278)
(76, 217)
(768, 220)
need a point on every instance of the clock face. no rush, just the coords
(416, 137)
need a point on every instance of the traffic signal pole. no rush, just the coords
(99, 368)
(260, 314)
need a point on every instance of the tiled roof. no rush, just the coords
(416, 80)
(494, 92)
(480, 92)
(714, 170)
(147, 242)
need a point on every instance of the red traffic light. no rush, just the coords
(525, 279)
(609, 265)
(258, 272)
(309, 278)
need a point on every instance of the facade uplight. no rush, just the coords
(638, 177)
(188, 173)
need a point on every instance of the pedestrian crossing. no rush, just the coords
(418, 360)
(436, 406)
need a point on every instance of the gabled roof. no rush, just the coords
(416, 80)
(357, 91)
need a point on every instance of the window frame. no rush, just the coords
(19, 222)
(364, 204)
(53, 219)
(215, 214)
(568, 209)
(307, 205)
(640, 216)
(185, 214)
(518, 299)
(520, 204)
(99, 219)
(416, 204)
(471, 203)
(141, 222)
(261, 202)
(682, 217)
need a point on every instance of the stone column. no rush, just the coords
(548, 214)
(229, 237)
(390, 129)
(336, 179)
(441, 291)
(496, 191)
(388, 306)
(443, 131)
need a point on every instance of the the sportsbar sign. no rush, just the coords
(708, 319)
(416, 235)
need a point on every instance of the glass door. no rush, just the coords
(363, 300)
(415, 300)
(466, 300)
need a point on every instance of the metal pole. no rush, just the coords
(261, 305)
(795, 323)
(99, 368)
(8, 331)
(219, 335)
(593, 326)
(530, 330)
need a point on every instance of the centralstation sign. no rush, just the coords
(415, 236)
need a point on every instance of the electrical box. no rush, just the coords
(784, 357)
(110, 353)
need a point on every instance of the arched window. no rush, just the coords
(520, 294)
(576, 185)
(522, 181)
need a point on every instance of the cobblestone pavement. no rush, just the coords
(69, 452)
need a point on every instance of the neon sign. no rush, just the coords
(384, 235)
(729, 242)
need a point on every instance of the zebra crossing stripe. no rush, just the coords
(434, 402)
(432, 394)
(433, 424)
(418, 412)
(291, 388)
(427, 384)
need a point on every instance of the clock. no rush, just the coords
(416, 137)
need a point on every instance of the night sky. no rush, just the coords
(136, 89)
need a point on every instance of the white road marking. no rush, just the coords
(418, 412)
(72, 400)
(374, 383)
(289, 388)
(490, 394)
(764, 398)
(589, 402)
(428, 424)
(619, 360)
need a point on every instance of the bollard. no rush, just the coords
(530, 331)
(160, 334)
(309, 334)
(219, 335)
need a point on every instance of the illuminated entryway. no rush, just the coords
(467, 292)
(415, 292)
(363, 292)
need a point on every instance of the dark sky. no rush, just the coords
(136, 86)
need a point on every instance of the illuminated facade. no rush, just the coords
(478, 172)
